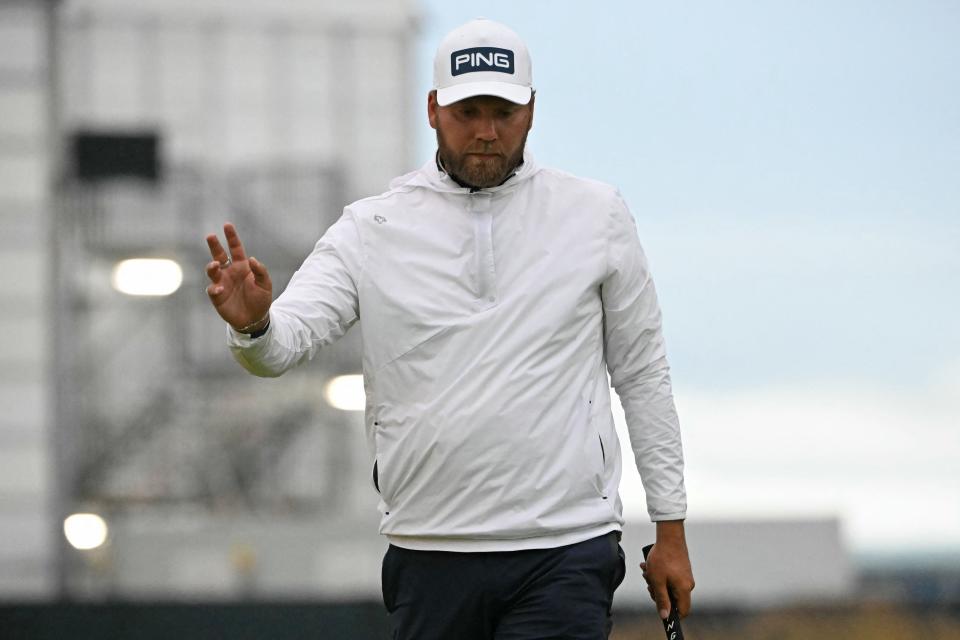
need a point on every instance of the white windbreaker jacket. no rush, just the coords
(490, 319)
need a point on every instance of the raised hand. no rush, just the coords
(240, 287)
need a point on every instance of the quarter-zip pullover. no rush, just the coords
(490, 319)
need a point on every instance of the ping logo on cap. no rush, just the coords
(481, 59)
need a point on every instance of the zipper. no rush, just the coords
(483, 246)
(603, 456)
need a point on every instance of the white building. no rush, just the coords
(271, 115)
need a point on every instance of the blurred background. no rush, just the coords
(793, 168)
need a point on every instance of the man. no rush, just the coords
(495, 296)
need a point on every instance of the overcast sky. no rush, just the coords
(794, 168)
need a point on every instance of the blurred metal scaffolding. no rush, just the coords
(269, 116)
(158, 410)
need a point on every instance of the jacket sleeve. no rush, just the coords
(318, 306)
(636, 359)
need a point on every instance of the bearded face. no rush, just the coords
(481, 139)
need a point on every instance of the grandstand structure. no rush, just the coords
(130, 131)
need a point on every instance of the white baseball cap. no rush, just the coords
(482, 58)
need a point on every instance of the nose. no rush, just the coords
(486, 129)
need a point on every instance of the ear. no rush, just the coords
(533, 99)
(433, 109)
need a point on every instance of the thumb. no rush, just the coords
(662, 599)
(260, 275)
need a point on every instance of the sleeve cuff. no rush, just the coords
(679, 515)
(244, 340)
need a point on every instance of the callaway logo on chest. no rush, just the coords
(481, 59)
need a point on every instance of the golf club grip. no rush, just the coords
(671, 626)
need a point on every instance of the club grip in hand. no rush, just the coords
(671, 625)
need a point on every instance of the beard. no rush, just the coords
(475, 171)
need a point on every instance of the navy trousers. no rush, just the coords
(539, 594)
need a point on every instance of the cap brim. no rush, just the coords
(512, 92)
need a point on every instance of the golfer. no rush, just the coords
(494, 297)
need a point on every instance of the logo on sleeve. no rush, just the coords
(481, 59)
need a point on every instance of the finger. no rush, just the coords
(682, 598)
(216, 249)
(233, 242)
(213, 271)
(260, 275)
(214, 290)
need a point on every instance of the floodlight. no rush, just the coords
(85, 530)
(147, 277)
(346, 393)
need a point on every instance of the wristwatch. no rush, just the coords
(259, 332)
